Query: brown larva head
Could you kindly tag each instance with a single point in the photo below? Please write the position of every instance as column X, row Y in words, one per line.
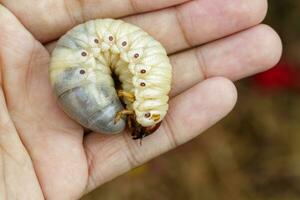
column 140, row 132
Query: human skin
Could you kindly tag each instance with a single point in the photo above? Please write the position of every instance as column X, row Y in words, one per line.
column 46, row 155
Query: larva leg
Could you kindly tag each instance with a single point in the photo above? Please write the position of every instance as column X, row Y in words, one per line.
column 128, row 96
column 129, row 122
column 122, row 113
column 155, row 117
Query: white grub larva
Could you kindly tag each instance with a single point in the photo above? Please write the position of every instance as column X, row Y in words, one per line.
column 81, row 70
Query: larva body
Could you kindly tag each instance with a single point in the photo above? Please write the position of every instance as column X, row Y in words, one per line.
column 81, row 70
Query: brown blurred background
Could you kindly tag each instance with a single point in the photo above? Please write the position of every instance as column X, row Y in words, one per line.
column 252, row 154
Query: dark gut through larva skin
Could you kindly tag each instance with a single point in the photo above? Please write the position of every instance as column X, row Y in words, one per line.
column 92, row 105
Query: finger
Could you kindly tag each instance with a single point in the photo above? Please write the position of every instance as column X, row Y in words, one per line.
column 47, row 20
column 200, row 21
column 235, row 57
column 190, row 114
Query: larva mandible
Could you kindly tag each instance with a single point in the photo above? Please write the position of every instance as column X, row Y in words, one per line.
column 82, row 68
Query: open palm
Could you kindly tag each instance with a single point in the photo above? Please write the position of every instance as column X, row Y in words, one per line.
column 45, row 155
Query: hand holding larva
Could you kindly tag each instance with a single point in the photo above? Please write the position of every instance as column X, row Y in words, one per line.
column 81, row 70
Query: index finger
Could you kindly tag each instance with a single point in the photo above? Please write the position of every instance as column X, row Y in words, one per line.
column 47, row 20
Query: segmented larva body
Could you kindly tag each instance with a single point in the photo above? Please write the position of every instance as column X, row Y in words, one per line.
column 81, row 71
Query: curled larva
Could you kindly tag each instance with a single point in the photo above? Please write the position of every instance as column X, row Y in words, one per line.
column 85, row 65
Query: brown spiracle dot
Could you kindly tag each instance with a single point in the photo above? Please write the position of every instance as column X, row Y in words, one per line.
column 124, row 43
column 96, row 41
column 143, row 84
column 84, row 53
column 143, row 71
column 148, row 115
column 111, row 38
column 136, row 55
column 82, row 71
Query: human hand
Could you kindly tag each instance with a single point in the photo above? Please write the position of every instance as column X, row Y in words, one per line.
column 46, row 155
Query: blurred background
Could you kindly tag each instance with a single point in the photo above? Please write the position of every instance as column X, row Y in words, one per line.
column 254, row 153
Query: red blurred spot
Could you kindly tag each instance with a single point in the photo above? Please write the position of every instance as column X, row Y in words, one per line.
column 283, row 76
